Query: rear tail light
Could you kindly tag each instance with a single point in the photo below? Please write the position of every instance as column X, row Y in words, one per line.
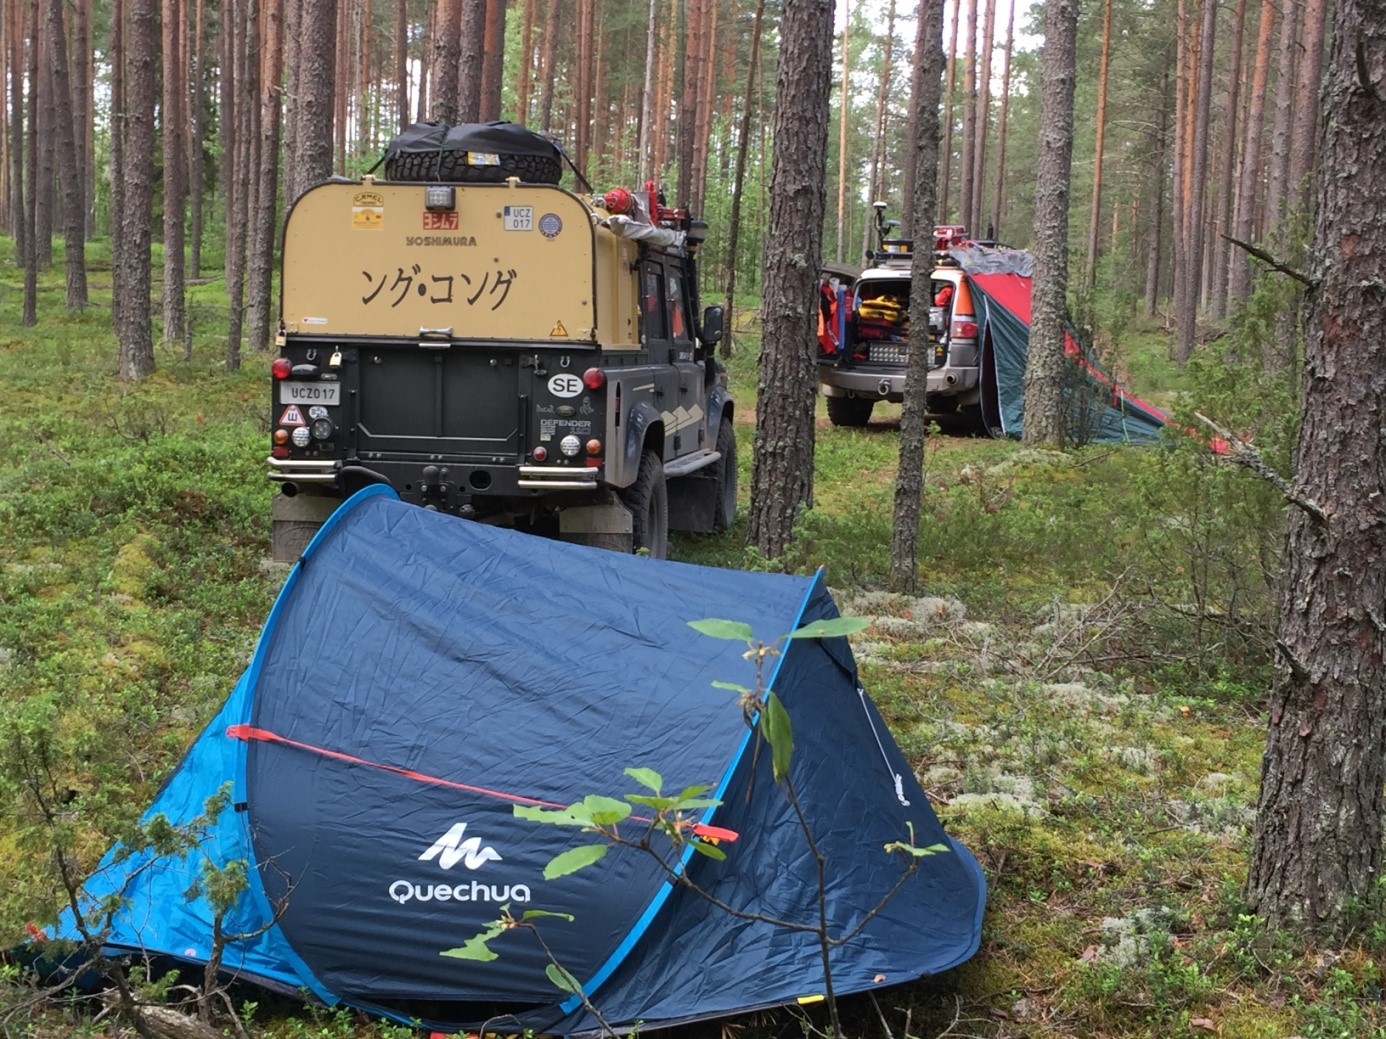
column 964, row 328
column 594, row 378
column 540, row 453
column 281, row 368
column 281, row 436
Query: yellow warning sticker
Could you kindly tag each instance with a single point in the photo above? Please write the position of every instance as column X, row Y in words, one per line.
column 367, row 218
column 559, row 332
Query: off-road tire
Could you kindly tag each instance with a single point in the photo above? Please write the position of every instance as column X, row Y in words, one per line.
column 850, row 411
column 648, row 501
column 724, row 470
column 452, row 167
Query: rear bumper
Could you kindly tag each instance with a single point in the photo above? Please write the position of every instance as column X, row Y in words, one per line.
column 889, row 384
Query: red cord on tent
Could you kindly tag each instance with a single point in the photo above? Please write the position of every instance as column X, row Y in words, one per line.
column 250, row 732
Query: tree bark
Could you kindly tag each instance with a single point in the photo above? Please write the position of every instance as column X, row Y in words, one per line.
column 70, row 173
column 909, row 480
column 15, row 47
column 1095, row 214
column 782, row 470
column 1044, row 403
column 174, row 180
column 878, row 126
column 312, row 98
column 83, row 105
column 402, row 65
column 1187, row 307
column 969, row 138
column 141, row 54
column 999, row 206
column 1308, row 74
column 979, row 151
column 912, row 125
column 1217, row 297
column 844, row 106
column 743, row 142
column 118, row 105
column 1279, row 174
column 526, row 69
column 492, row 61
column 196, row 163
column 264, row 219
column 644, row 166
column 471, row 61
column 31, row 168
column 1249, row 168
column 1156, row 205
column 448, row 43
column 1316, row 860
column 549, row 66
column 945, row 175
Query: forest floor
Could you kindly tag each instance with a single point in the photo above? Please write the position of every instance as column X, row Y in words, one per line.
column 1078, row 681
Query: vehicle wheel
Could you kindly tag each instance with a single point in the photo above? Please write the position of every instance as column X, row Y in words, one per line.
column 725, row 473
column 850, row 411
column 648, row 501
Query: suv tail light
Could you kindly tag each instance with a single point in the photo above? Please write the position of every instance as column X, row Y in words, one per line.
column 964, row 328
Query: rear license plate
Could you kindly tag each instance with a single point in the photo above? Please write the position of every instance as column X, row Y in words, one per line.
column 329, row 393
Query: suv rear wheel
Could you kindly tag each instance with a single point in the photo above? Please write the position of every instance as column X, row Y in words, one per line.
column 648, row 501
column 725, row 474
column 850, row 411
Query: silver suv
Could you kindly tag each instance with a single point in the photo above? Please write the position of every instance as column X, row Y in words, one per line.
column 863, row 332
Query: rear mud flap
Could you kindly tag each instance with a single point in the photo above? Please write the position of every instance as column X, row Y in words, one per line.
column 693, row 501
column 606, row 524
column 294, row 521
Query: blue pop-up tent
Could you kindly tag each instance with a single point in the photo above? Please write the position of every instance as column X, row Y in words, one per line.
column 419, row 676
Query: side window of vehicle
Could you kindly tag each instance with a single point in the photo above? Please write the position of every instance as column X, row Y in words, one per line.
column 679, row 318
column 652, row 316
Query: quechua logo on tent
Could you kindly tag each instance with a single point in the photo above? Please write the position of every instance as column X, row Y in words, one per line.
column 450, row 849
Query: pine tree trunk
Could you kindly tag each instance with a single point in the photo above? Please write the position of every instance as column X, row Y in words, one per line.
column 526, row 70
column 492, row 61
column 979, row 151
column 644, row 166
column 238, row 207
column 43, row 187
column 1277, row 178
column 448, row 42
column 1317, row 856
column 688, row 103
column 844, row 106
column 341, row 87
column 1308, row 73
column 1217, row 299
column 549, row 66
column 582, row 80
column 909, row 479
column 174, row 189
column 83, row 110
column 263, row 221
column 118, row 106
column 907, row 173
column 196, row 155
column 1157, row 202
column 1095, row 215
column 878, row 127
column 31, row 167
column 999, row 205
column 743, row 142
column 1249, row 168
column 470, row 61
column 312, row 97
column 14, row 16
column 782, row 469
column 969, row 102
column 1044, row 403
column 945, row 172
column 1193, row 256
column 69, row 166
column 141, row 56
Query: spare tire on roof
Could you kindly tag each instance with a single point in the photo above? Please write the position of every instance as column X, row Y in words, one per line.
column 472, row 153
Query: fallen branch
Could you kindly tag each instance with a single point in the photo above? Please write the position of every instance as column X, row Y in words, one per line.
column 1273, row 263
column 1242, row 453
